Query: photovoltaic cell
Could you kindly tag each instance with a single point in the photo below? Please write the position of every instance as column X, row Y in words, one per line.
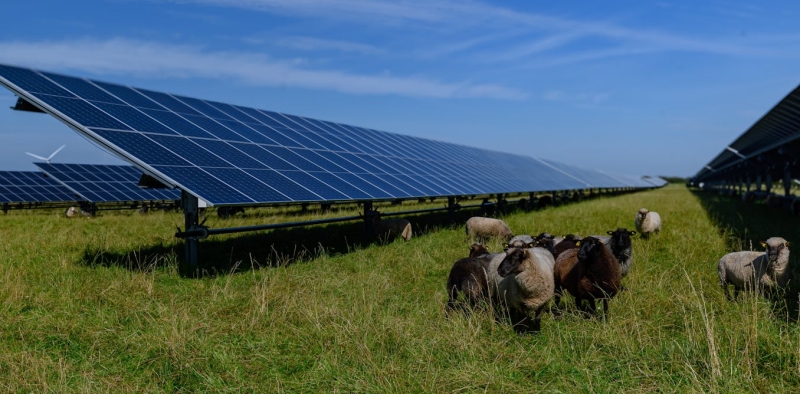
column 229, row 154
column 30, row 187
column 105, row 183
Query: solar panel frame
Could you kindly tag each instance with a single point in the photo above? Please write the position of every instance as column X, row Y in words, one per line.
column 105, row 183
column 169, row 136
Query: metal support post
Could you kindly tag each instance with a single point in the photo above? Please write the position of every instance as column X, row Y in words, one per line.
column 787, row 180
column 769, row 182
column 369, row 229
column 749, row 182
column 758, row 182
column 451, row 209
column 5, row 207
column 191, row 244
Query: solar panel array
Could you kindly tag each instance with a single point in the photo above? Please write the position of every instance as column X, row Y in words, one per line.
column 105, row 183
column 775, row 128
column 31, row 186
column 227, row 154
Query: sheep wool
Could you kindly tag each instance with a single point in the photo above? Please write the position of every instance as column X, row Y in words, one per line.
column 756, row 270
column 527, row 285
column 647, row 222
column 481, row 228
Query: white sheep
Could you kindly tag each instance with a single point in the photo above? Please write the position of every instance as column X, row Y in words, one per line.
column 647, row 222
column 481, row 228
column 527, row 285
column 756, row 270
column 386, row 228
column 72, row 212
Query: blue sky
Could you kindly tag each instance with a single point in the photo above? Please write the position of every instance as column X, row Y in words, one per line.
column 635, row 87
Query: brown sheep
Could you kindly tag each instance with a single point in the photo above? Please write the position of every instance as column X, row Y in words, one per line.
column 588, row 273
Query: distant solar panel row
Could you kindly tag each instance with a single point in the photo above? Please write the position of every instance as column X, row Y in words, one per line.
column 31, row 186
column 228, row 154
column 105, row 183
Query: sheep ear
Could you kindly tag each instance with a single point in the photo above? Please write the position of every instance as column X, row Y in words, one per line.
column 532, row 244
column 610, row 232
column 578, row 243
column 506, row 245
column 763, row 244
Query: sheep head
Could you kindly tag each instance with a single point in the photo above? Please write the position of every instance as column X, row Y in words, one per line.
column 642, row 214
column 621, row 238
column 477, row 250
column 512, row 263
column 518, row 244
column 587, row 245
column 775, row 248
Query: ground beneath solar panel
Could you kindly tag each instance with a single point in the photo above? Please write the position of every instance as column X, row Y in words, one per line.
column 97, row 305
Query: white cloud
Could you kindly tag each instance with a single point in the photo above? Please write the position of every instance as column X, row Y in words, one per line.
column 158, row 60
column 318, row 44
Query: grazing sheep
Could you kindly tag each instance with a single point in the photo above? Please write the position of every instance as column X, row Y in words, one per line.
column 619, row 244
column 468, row 276
column 569, row 241
column 756, row 270
column 588, row 273
column 72, row 212
column 524, row 238
column 527, row 286
column 144, row 209
column 647, row 222
column 387, row 228
column 478, row 250
column 483, row 228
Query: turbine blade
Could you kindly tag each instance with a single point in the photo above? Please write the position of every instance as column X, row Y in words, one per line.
column 55, row 153
column 36, row 156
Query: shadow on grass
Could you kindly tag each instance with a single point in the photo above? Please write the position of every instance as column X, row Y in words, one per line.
column 274, row 248
column 746, row 225
column 233, row 253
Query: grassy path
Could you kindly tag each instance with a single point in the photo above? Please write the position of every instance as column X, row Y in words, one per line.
column 372, row 320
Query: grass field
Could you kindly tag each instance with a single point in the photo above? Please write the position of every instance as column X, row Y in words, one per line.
column 91, row 305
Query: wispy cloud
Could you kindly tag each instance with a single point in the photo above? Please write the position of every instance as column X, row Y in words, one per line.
column 581, row 99
column 318, row 44
column 452, row 15
column 158, row 60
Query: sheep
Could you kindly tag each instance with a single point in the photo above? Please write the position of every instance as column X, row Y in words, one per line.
column 487, row 207
column 619, row 244
column 569, row 241
column 483, row 228
column 468, row 276
column 527, row 286
column 590, row 272
column 756, row 270
column 647, row 222
column 385, row 229
column 144, row 209
column 72, row 212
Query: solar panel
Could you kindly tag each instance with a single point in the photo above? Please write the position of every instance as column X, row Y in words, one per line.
column 31, row 186
column 228, row 154
column 105, row 183
column 592, row 179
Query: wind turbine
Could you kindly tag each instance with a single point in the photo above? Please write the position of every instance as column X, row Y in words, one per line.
column 46, row 159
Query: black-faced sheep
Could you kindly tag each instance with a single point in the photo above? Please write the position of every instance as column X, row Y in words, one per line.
column 387, row 228
column 588, row 273
column 647, row 222
column 620, row 245
column 484, row 228
column 756, row 270
column 527, row 286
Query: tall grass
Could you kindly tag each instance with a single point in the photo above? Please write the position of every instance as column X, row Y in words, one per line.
column 97, row 305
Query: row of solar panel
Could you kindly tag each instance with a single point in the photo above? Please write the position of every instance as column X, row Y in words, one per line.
column 77, row 182
column 228, row 154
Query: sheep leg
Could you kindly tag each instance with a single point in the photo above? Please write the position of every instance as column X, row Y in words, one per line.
column 521, row 321
column 726, row 290
column 537, row 321
column 592, row 306
column 605, row 306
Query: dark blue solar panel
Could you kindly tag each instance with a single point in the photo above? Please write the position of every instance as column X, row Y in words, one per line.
column 104, row 183
column 31, row 187
column 227, row 154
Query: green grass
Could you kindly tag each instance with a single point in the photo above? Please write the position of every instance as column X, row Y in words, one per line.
column 97, row 305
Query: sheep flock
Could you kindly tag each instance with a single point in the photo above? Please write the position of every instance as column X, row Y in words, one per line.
column 519, row 282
